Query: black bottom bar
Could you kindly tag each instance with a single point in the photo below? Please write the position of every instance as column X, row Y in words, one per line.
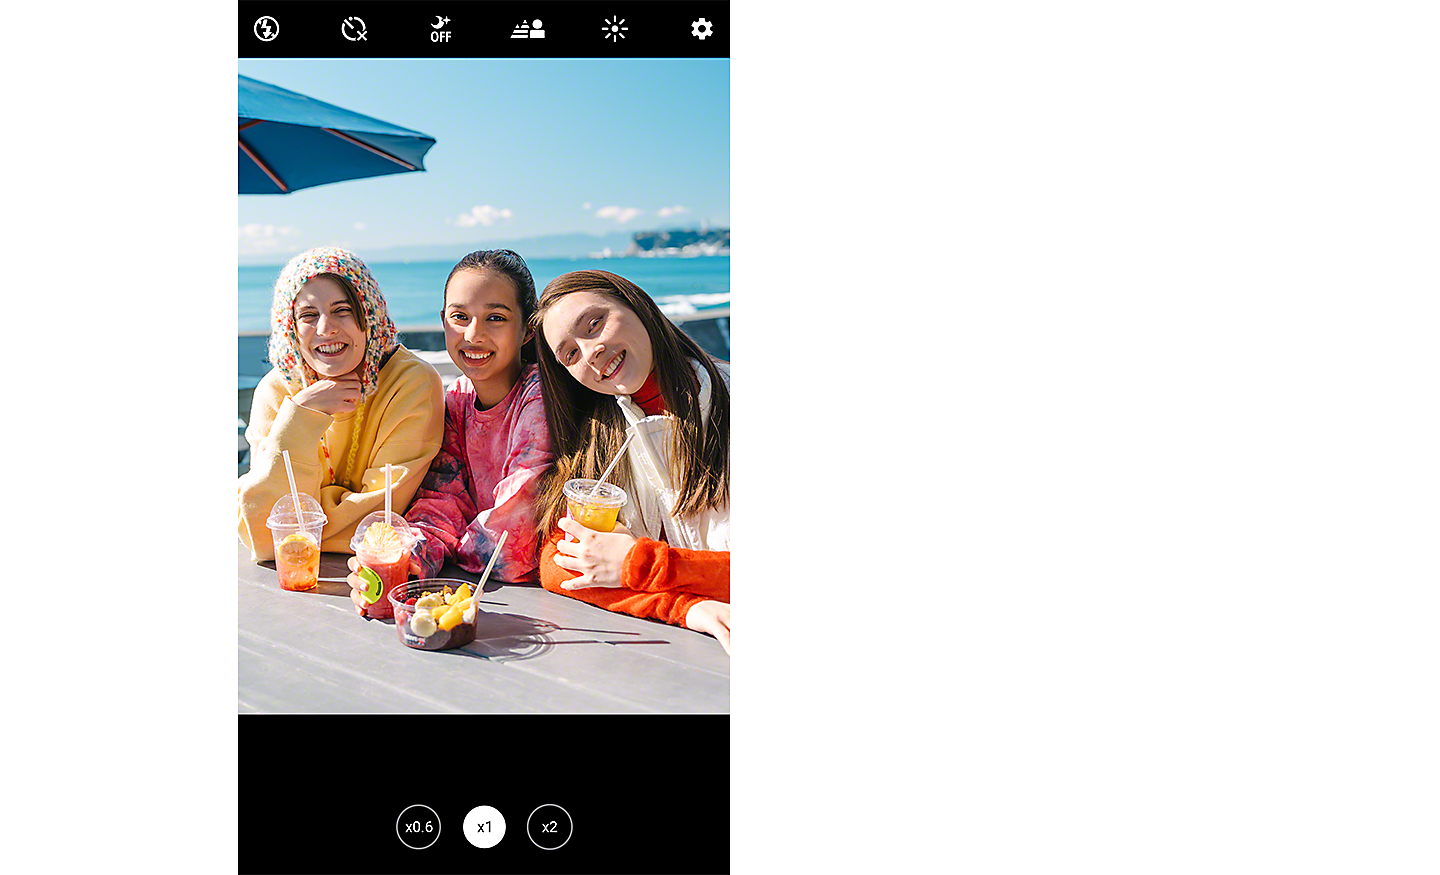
column 642, row 793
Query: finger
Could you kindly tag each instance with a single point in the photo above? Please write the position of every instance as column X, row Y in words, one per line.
column 570, row 563
column 723, row 636
column 569, row 548
column 622, row 529
column 585, row 581
column 354, row 563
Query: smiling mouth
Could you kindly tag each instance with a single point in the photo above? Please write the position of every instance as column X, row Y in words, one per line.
column 331, row 348
column 614, row 366
column 476, row 357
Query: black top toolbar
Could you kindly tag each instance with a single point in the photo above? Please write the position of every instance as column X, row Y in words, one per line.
column 484, row 29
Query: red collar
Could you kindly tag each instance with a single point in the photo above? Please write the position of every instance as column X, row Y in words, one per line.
column 649, row 398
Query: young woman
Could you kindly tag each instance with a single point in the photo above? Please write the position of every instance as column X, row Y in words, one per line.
column 612, row 365
column 496, row 445
column 344, row 398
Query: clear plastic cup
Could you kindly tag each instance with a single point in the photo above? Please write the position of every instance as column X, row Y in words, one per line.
column 599, row 511
column 297, row 541
column 390, row 564
column 432, row 633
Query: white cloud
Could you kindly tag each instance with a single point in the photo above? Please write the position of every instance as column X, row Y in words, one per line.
column 621, row 215
column 359, row 226
column 256, row 239
column 585, row 206
column 665, row 212
column 482, row 215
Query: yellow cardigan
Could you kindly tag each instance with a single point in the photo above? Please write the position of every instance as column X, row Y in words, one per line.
column 401, row 422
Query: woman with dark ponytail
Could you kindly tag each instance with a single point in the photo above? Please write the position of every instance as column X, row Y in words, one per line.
column 483, row 482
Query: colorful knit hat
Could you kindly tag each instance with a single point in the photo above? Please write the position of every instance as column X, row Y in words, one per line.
column 285, row 343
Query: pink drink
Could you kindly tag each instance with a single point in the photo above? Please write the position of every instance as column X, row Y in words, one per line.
column 383, row 545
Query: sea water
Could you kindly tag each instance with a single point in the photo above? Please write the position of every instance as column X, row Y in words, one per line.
column 415, row 290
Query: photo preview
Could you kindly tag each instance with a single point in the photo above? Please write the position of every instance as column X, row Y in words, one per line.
column 483, row 311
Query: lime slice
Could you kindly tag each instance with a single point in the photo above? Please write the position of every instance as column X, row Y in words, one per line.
column 372, row 585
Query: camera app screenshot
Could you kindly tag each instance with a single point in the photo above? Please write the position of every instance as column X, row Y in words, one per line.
column 483, row 436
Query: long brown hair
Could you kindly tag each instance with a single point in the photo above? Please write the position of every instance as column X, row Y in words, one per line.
column 588, row 427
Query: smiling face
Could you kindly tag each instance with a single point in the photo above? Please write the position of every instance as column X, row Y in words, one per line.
column 600, row 342
column 332, row 339
column 484, row 330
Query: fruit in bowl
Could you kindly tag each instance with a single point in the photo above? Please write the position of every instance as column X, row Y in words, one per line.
column 431, row 615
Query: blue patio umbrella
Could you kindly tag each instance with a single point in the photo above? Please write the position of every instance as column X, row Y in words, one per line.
column 289, row 141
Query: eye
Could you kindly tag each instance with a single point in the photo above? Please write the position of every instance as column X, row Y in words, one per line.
column 307, row 316
column 459, row 318
column 569, row 356
column 594, row 322
column 495, row 317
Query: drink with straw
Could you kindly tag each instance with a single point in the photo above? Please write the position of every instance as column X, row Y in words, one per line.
column 296, row 522
column 594, row 508
column 596, row 504
column 382, row 543
column 297, row 541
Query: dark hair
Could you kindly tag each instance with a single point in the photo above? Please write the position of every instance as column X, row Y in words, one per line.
column 513, row 267
column 587, row 427
column 350, row 295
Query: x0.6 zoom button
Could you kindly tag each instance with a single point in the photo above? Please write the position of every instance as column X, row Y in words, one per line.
column 418, row 827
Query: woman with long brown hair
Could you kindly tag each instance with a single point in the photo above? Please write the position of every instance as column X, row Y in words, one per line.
column 613, row 366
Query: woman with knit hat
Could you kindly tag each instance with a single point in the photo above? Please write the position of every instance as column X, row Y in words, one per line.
column 344, row 398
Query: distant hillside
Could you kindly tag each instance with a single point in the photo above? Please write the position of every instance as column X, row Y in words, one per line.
column 713, row 241
column 644, row 244
column 548, row 246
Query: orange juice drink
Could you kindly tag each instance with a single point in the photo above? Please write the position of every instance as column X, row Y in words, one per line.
column 595, row 509
column 296, row 537
column 297, row 560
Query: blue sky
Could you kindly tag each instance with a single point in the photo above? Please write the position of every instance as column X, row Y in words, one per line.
column 524, row 148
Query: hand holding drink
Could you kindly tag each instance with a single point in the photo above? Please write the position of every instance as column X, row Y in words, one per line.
column 595, row 505
column 382, row 545
column 592, row 507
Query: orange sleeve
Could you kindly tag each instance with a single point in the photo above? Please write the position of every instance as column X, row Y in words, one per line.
column 668, row 597
column 655, row 566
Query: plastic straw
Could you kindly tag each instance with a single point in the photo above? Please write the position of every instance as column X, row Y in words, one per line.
column 611, row 466
column 496, row 555
column 387, row 492
column 294, row 493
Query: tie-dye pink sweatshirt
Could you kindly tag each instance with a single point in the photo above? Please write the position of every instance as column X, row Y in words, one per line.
column 484, row 481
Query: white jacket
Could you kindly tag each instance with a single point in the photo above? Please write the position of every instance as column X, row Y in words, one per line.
column 649, row 506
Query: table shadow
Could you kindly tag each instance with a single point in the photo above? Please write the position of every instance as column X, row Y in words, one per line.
column 507, row 637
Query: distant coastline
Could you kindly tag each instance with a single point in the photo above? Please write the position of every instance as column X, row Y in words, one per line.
column 673, row 243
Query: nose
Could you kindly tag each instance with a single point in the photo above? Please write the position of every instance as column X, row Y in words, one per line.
column 474, row 330
column 325, row 324
column 597, row 349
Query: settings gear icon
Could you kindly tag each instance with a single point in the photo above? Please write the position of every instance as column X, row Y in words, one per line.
column 700, row 28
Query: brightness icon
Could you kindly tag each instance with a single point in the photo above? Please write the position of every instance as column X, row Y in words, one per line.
column 614, row 29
